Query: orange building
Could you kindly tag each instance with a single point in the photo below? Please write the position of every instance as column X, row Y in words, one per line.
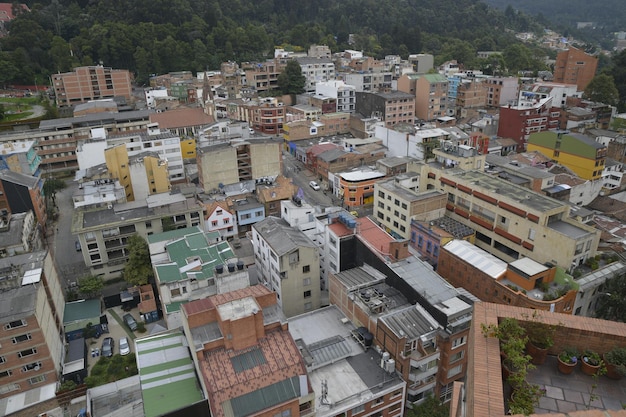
column 90, row 83
column 356, row 188
column 574, row 66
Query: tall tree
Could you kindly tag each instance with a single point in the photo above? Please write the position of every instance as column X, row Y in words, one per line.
column 611, row 305
column 602, row 89
column 291, row 80
column 138, row 269
column 90, row 286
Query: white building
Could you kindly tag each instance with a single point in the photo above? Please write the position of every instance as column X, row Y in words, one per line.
column 344, row 93
column 559, row 92
column 90, row 153
column 316, row 70
column 412, row 144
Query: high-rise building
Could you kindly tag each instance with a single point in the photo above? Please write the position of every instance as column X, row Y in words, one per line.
column 574, row 66
column 91, row 83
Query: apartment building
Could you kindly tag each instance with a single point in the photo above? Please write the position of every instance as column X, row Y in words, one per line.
column 421, row 63
column 355, row 187
column 56, row 139
column 512, row 221
column 32, row 331
column 396, row 206
column 471, row 95
column 103, row 232
column 523, row 282
column 21, row 193
column 344, row 94
column 431, row 97
column 370, row 81
column 247, row 361
column 219, row 217
column 190, row 264
column 236, row 161
column 288, row 263
column 20, row 157
column 501, row 91
column 427, row 237
column 91, row 83
column 316, row 70
column 341, row 159
column 392, row 108
column 558, row 91
column 574, row 66
column 530, row 116
column 141, row 175
column 583, row 155
column 351, row 378
column 262, row 76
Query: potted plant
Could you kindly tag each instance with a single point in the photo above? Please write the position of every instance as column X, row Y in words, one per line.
column 540, row 338
column 615, row 362
column 590, row 362
column 567, row 360
column 525, row 399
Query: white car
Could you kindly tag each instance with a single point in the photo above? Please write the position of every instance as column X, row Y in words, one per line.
column 124, row 347
column 314, row 185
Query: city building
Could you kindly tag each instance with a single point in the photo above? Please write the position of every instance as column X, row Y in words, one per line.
column 232, row 162
column 31, row 316
column 583, row 155
column 56, row 139
column 141, row 175
column 346, row 375
column 431, row 97
column 18, row 234
column 355, row 187
column 422, row 63
column 316, row 70
column 427, row 237
column 558, row 91
column 21, row 193
column 220, row 218
column 470, row 95
column 247, row 360
column 395, row 207
column 574, row 66
column 392, row 108
column 271, row 193
column 288, row 263
column 103, row 233
column 519, row 121
column 344, row 94
column 248, row 211
column 262, row 76
column 369, row 81
column 512, row 221
column 20, row 157
column 523, row 282
column 501, row 91
column 91, row 83
column 168, row 379
column 189, row 265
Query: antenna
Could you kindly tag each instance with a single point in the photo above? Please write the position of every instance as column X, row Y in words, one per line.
column 324, row 399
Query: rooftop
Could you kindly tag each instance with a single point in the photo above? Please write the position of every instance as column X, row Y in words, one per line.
column 81, row 310
column 281, row 237
column 477, row 257
column 167, row 373
column 404, row 193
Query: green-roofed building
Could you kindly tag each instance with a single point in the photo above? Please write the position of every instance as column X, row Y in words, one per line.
column 190, row 264
column 78, row 314
column 168, row 376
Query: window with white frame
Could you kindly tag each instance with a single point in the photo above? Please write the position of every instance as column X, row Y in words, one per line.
column 459, row 341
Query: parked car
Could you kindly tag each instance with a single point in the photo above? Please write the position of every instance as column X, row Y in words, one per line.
column 314, row 185
column 107, row 347
column 130, row 321
column 124, row 346
column 77, row 245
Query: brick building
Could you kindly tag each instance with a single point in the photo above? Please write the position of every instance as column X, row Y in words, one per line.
column 574, row 66
column 91, row 83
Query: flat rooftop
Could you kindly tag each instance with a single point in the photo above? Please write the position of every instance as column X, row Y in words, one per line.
column 405, row 194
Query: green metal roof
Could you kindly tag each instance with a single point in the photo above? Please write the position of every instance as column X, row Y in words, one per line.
column 81, row 310
column 189, row 248
column 172, row 234
column 435, row 78
column 167, row 374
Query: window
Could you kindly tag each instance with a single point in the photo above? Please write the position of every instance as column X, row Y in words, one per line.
column 307, row 294
column 22, row 338
column 306, row 282
column 457, row 356
column 219, row 212
column 2, row 359
column 226, row 220
column 396, row 202
column 26, row 352
column 148, row 224
column 35, row 366
column 174, row 292
column 5, row 373
column 381, row 194
column 435, row 250
column 458, row 342
column 404, row 206
column 306, row 268
column 37, row 379
column 531, row 234
column 455, row 371
column 214, row 223
column 15, row 324
column 429, row 247
column 358, row 409
column 420, row 241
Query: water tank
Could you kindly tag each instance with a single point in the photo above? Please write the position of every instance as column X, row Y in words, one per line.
column 390, row 365
column 240, row 265
column 219, row 269
column 368, row 338
column 351, row 224
column 386, row 356
column 231, row 267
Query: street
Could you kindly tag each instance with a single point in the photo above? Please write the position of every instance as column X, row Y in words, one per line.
column 301, row 177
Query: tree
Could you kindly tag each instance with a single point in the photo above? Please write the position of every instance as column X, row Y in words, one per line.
column 291, row 80
column 431, row 407
column 610, row 305
column 138, row 269
column 602, row 89
column 90, row 286
column 50, row 188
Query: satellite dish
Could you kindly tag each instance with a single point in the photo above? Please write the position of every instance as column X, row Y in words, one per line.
column 37, row 367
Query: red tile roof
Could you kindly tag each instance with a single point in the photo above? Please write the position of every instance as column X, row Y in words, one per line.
column 373, row 235
column 6, row 11
column 181, row 118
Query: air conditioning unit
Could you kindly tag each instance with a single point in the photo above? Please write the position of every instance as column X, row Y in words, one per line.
column 109, row 206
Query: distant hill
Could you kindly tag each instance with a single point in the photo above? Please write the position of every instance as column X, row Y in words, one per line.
column 609, row 14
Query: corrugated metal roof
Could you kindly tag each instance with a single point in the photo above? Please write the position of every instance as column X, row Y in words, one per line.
column 477, row 257
column 266, row 397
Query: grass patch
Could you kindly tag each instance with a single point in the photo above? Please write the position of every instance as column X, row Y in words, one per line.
column 112, row 369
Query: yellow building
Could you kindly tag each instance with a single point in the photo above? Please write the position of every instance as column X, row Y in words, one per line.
column 141, row 175
column 584, row 156
column 188, row 148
